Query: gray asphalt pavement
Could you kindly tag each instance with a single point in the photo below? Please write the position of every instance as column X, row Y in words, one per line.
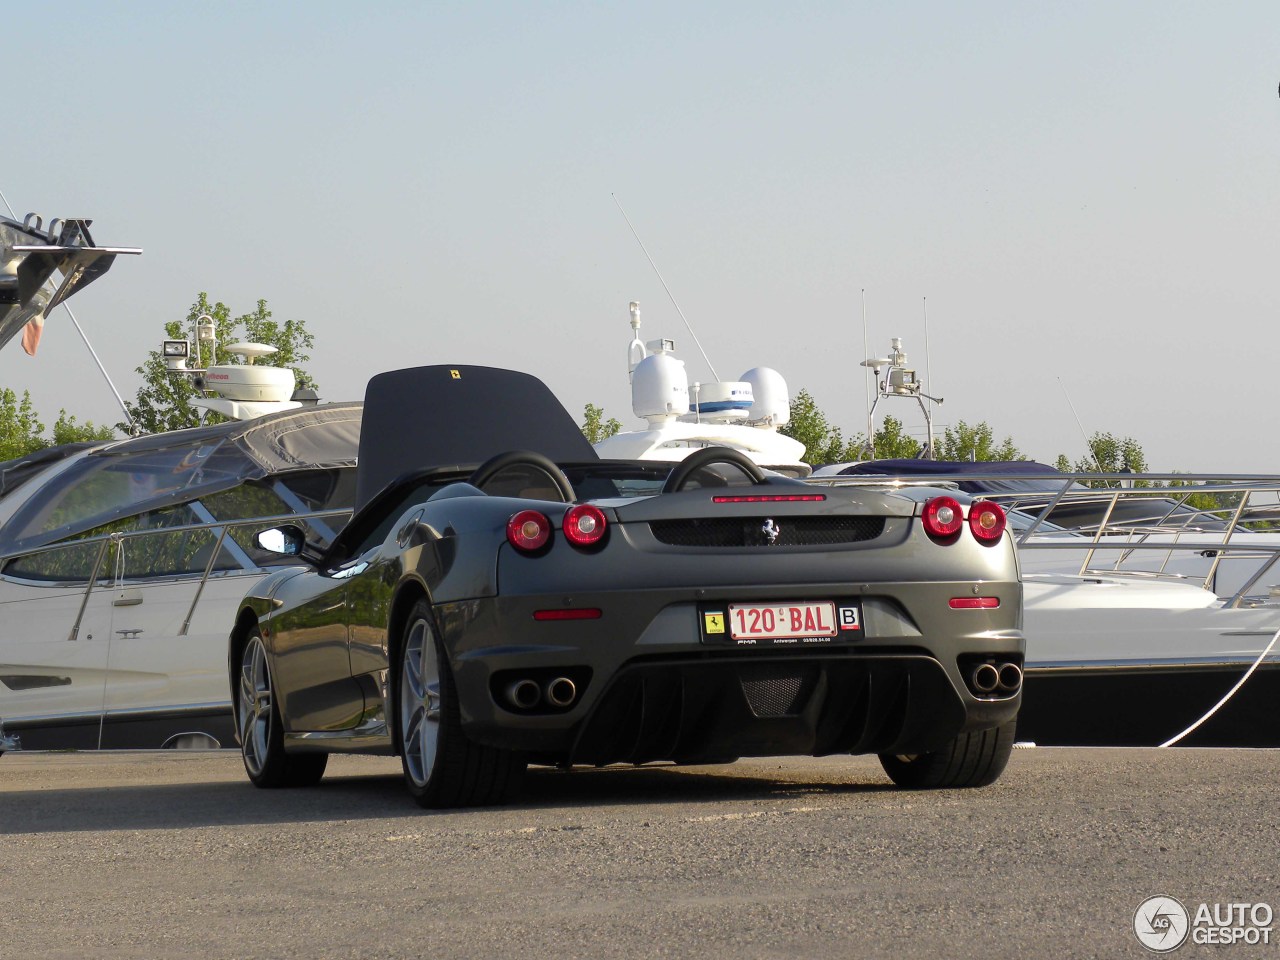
column 176, row 855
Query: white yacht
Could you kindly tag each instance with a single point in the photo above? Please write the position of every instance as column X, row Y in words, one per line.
column 1141, row 612
column 121, row 563
column 682, row 417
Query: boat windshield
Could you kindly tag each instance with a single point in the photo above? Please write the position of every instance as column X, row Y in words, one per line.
column 113, row 494
column 99, row 490
column 305, row 457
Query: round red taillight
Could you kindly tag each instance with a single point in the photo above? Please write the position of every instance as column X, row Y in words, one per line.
column 528, row 531
column 942, row 518
column 584, row 525
column 986, row 520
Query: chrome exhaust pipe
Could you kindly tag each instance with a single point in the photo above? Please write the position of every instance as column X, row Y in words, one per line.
column 561, row 692
column 985, row 678
column 1010, row 677
column 523, row 694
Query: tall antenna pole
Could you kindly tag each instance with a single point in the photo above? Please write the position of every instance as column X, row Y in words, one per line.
column 666, row 288
column 133, row 428
column 928, row 370
column 928, row 357
column 871, row 434
column 1087, row 445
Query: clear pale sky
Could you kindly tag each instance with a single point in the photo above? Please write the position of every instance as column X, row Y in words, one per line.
column 1087, row 194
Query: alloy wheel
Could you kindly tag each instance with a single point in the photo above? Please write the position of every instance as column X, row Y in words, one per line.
column 255, row 707
column 420, row 703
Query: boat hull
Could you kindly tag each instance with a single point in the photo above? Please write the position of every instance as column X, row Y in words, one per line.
column 1144, row 707
column 204, row 728
column 1115, row 661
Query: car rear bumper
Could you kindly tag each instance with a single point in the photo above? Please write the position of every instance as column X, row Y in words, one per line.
column 649, row 686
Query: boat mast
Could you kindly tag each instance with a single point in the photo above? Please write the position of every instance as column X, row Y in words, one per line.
column 928, row 373
column 688, row 326
column 870, row 407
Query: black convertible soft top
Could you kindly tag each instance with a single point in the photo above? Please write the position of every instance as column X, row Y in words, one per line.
column 458, row 415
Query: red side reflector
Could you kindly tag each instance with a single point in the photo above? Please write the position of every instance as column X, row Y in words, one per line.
column 572, row 613
column 772, row 498
column 974, row 603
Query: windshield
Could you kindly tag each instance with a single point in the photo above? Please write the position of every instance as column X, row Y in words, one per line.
column 101, row 489
column 152, row 548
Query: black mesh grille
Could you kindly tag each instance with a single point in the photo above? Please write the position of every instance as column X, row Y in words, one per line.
column 774, row 696
column 753, row 532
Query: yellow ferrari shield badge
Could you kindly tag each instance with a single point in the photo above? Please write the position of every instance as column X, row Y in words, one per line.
column 713, row 622
column 456, row 374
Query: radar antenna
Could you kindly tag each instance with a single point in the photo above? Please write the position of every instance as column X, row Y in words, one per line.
column 901, row 381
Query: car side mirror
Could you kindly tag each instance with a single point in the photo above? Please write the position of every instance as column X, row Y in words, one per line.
column 287, row 540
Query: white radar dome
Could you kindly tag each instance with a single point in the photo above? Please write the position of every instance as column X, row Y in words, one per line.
column 771, row 399
column 243, row 381
column 724, row 400
column 251, row 351
column 660, row 387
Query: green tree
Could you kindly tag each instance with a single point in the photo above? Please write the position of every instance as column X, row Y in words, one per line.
column 964, row 442
column 292, row 341
column 21, row 431
column 20, row 428
column 823, row 442
column 595, row 428
column 1220, row 505
column 67, row 430
column 1110, row 454
column 891, row 443
column 164, row 400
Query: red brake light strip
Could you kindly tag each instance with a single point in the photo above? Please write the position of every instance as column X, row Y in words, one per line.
column 772, row 498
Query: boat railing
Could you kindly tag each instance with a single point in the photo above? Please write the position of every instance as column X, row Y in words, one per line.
column 101, row 559
column 1174, row 526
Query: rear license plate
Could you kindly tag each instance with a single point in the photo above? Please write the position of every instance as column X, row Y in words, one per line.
column 781, row 624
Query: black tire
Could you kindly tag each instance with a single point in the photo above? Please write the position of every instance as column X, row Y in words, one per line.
column 442, row 768
column 260, row 729
column 970, row 760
